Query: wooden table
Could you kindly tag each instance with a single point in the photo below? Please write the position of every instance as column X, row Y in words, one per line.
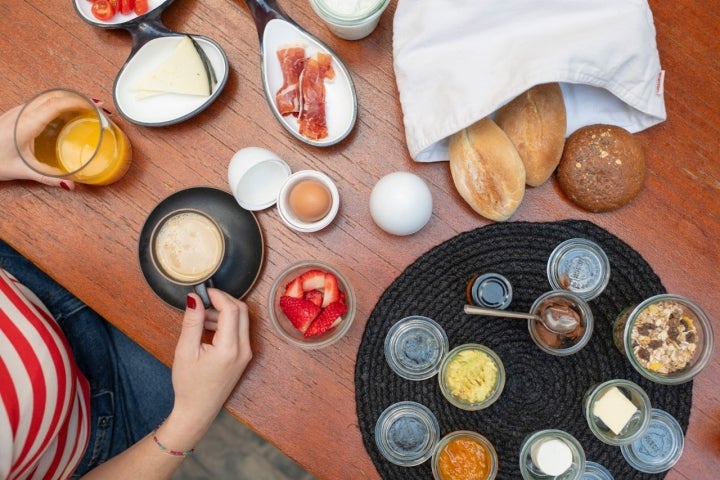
column 301, row 401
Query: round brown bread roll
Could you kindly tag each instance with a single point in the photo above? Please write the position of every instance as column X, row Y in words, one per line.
column 602, row 168
column 487, row 170
column 535, row 122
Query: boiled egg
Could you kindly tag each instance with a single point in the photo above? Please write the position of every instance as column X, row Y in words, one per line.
column 309, row 200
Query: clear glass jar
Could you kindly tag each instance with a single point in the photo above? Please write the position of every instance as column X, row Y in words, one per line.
column 350, row 19
column 533, row 463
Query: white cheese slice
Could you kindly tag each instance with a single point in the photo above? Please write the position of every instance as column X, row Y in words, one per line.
column 183, row 72
column 614, row 409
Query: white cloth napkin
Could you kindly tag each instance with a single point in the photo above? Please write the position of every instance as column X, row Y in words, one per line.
column 457, row 61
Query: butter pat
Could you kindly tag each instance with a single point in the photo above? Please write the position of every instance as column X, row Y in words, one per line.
column 614, row 409
column 184, row 72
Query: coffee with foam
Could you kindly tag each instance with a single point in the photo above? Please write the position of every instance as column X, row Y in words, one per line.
column 188, row 247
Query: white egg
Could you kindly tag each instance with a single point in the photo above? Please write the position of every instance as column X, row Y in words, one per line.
column 401, row 203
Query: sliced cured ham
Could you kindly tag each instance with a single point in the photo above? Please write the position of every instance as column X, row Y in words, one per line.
column 292, row 63
column 312, row 119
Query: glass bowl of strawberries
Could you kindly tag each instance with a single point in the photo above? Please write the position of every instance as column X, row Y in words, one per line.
column 311, row 304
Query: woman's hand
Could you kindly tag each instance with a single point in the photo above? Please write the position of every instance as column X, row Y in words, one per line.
column 12, row 167
column 204, row 374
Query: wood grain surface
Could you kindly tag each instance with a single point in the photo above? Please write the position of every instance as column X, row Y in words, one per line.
column 302, row 401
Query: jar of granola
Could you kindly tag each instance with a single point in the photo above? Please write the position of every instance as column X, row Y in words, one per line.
column 667, row 338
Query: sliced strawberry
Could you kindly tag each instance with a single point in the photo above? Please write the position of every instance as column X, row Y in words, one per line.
column 315, row 296
column 313, row 280
column 294, row 288
column 331, row 292
column 299, row 311
column 328, row 318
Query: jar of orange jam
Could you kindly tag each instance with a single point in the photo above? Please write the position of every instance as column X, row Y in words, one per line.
column 464, row 455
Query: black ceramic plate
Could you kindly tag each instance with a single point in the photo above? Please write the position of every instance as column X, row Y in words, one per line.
column 244, row 253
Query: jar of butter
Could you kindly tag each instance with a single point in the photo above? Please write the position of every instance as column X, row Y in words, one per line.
column 350, row 19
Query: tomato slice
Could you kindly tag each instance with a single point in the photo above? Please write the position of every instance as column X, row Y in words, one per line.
column 125, row 6
column 141, row 6
column 102, row 10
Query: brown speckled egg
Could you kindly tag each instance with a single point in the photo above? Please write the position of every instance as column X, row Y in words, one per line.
column 309, row 200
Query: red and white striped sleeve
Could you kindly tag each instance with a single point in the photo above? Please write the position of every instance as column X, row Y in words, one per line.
column 44, row 399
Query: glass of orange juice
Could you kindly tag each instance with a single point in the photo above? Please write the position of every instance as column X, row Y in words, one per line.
column 62, row 133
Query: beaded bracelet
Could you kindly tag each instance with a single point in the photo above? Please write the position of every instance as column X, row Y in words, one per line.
column 169, row 451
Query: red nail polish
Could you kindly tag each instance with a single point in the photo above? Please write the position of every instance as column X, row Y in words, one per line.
column 191, row 304
column 64, row 186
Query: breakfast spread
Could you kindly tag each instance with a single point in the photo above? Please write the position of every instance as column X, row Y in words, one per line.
column 558, row 307
column 602, row 168
column 464, row 458
column 303, row 91
column 471, row 376
column 313, row 302
column 614, row 409
column 183, row 72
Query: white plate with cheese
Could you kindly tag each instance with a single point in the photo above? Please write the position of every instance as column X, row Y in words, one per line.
column 166, row 81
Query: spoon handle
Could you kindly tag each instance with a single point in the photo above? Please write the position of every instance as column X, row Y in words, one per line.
column 492, row 312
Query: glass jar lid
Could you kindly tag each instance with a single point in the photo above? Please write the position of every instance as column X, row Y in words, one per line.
column 659, row 448
column 580, row 266
column 491, row 290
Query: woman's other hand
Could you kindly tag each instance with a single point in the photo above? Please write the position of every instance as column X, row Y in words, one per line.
column 204, row 374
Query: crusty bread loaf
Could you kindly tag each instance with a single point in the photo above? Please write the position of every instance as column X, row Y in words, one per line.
column 602, row 168
column 535, row 122
column 487, row 170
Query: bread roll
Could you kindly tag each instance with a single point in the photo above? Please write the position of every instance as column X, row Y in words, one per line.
column 602, row 168
column 535, row 122
column 487, row 170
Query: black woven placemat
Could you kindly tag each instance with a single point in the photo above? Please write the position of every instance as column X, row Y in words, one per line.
column 542, row 391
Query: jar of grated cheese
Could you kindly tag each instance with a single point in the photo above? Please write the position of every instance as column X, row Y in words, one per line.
column 350, row 19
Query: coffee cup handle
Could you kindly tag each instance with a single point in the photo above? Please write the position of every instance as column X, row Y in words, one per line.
column 201, row 290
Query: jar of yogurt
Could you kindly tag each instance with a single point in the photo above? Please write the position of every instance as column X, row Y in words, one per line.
column 350, row 19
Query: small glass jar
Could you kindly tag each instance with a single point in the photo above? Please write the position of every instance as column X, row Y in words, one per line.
column 595, row 471
column 465, row 451
column 659, row 448
column 552, row 454
column 490, row 290
column 350, row 19
column 617, row 411
column 667, row 338
column 580, row 266
column 415, row 346
column 406, row 433
column 471, row 377
column 561, row 344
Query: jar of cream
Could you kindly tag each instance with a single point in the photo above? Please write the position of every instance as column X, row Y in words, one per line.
column 350, row 19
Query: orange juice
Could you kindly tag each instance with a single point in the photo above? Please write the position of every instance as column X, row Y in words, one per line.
column 77, row 150
column 68, row 146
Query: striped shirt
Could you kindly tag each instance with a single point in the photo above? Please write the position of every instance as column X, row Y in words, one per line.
column 44, row 399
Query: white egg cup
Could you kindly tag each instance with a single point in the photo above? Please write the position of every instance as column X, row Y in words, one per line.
column 287, row 214
column 259, row 179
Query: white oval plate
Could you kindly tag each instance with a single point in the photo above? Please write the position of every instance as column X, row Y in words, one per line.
column 167, row 108
column 340, row 97
column 84, row 8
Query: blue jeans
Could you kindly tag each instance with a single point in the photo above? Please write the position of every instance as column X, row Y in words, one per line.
column 131, row 391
